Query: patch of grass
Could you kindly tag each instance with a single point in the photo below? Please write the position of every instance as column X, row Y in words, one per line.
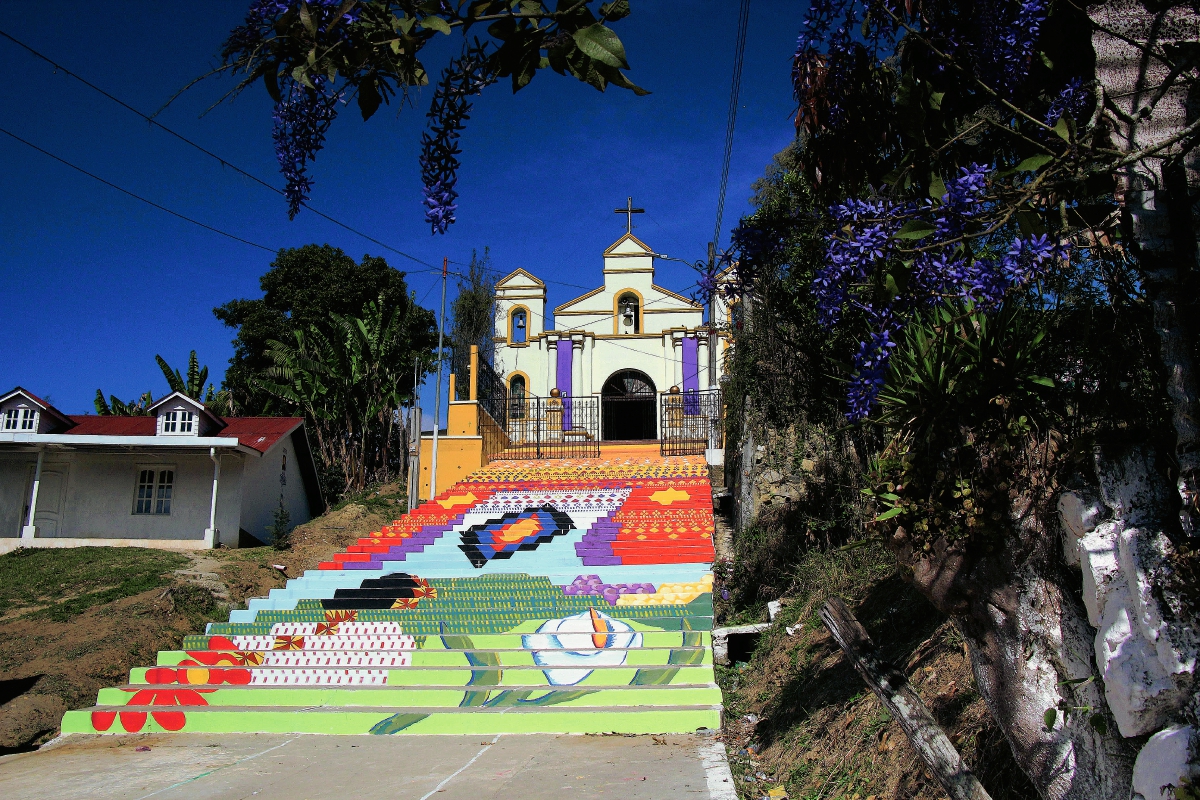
column 381, row 499
column 69, row 581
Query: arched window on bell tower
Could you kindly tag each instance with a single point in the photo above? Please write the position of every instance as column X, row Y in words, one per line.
column 629, row 313
column 518, row 329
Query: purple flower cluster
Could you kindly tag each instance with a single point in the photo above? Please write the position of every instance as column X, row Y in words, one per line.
column 302, row 117
column 592, row 586
column 865, row 248
column 463, row 78
column 1007, row 41
column 1072, row 101
column 263, row 14
column 870, row 370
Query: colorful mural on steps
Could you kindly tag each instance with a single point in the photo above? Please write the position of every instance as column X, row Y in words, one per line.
column 568, row 596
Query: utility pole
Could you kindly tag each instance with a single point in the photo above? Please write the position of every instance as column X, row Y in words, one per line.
column 414, row 441
column 437, row 393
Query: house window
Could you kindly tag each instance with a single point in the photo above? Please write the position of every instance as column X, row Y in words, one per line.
column 20, row 419
column 155, row 488
column 179, row 422
column 520, row 325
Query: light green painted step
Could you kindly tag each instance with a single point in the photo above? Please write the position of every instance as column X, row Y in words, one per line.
column 472, row 721
column 525, row 676
column 404, row 697
column 638, row 656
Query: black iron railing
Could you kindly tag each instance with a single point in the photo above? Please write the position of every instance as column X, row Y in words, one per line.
column 691, row 422
column 553, row 427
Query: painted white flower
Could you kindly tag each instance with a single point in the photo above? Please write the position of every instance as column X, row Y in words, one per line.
column 569, row 649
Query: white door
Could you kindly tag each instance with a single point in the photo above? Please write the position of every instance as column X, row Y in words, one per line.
column 51, row 500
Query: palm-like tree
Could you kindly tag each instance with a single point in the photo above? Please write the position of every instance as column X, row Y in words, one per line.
column 348, row 383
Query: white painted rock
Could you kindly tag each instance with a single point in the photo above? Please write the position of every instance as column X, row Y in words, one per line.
column 1079, row 514
column 1163, row 762
column 1148, row 663
column 1101, row 568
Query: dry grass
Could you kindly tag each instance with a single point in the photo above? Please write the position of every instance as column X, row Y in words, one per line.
column 800, row 717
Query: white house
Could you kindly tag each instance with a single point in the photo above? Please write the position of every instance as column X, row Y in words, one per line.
column 627, row 342
column 180, row 478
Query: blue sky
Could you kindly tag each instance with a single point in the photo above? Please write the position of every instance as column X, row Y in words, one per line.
column 96, row 283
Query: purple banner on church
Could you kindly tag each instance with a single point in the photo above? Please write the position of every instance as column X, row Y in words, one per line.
column 691, row 375
column 564, row 380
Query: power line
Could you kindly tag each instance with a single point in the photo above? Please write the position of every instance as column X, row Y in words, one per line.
column 135, row 196
column 223, row 161
column 738, row 56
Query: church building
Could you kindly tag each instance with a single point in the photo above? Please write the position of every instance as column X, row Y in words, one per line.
column 630, row 343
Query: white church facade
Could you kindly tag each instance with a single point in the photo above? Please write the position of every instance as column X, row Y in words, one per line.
column 630, row 343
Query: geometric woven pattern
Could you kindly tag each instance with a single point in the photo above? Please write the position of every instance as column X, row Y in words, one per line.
column 564, row 595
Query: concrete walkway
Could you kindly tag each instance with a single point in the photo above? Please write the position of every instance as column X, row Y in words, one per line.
column 307, row 767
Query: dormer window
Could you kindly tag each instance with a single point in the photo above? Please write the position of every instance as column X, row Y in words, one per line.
column 179, row 422
column 20, row 419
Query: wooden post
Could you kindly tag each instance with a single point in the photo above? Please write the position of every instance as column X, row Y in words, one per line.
column 474, row 395
column 892, row 689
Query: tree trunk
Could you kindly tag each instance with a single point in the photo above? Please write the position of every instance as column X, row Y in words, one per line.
column 1031, row 651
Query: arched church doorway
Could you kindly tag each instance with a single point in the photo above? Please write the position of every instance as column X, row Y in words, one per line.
column 627, row 407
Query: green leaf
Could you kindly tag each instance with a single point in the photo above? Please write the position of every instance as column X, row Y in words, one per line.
column 935, row 100
column 1063, row 129
column 1030, row 223
column 1050, row 717
column 1034, row 163
column 891, row 512
column 618, row 78
column 271, row 81
column 937, row 187
column 891, row 498
column 434, row 23
column 368, row 98
column 1046, row 60
column 618, row 9
column 600, row 43
column 1038, row 379
column 1099, row 723
column 915, row 229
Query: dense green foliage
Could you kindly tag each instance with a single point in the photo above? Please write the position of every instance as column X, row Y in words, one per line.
column 305, row 286
column 340, row 343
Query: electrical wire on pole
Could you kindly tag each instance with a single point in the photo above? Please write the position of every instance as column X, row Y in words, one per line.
column 437, row 392
column 735, row 90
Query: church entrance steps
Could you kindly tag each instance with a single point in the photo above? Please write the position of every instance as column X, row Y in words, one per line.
column 562, row 596
column 634, row 656
column 389, row 721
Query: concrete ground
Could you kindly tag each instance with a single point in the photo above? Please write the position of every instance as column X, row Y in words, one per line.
column 307, row 767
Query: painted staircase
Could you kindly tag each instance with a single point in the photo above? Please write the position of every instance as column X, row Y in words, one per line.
column 556, row 596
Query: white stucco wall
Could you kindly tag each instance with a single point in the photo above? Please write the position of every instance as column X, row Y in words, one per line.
column 262, row 489
column 14, row 479
column 97, row 499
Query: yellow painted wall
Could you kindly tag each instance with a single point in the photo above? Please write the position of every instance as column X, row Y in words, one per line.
column 458, row 457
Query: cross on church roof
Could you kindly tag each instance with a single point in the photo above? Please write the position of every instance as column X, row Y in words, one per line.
column 629, row 211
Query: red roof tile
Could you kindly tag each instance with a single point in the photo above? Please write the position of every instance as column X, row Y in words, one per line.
column 92, row 425
column 257, row 433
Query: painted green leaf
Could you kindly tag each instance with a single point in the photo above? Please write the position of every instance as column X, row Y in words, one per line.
column 600, row 43
column 688, row 657
column 654, row 676
column 396, row 723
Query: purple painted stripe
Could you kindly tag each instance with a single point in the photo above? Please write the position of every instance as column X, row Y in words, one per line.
column 565, row 357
